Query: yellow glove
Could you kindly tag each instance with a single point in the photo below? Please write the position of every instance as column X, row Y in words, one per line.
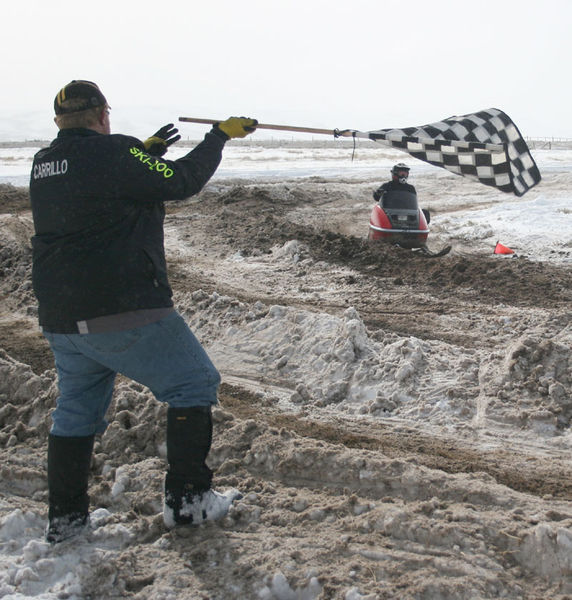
column 238, row 127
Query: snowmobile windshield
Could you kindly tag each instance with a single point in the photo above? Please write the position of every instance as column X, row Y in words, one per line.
column 399, row 199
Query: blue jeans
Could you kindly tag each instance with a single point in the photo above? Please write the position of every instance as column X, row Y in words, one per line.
column 165, row 356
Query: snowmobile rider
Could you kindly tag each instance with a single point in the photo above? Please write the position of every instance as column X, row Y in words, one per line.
column 100, row 276
column 399, row 175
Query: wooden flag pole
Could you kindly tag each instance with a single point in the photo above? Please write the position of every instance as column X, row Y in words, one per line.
column 334, row 132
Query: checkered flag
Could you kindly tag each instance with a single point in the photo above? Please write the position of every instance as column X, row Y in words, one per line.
column 486, row 146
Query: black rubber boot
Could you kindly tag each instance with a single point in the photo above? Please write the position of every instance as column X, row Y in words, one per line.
column 68, row 473
column 189, row 498
column 189, row 438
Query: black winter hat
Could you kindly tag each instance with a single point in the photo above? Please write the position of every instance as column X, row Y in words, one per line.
column 78, row 95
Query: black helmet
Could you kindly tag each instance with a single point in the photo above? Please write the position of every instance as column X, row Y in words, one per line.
column 400, row 171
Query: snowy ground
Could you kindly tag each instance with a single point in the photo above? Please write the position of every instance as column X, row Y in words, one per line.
column 400, row 426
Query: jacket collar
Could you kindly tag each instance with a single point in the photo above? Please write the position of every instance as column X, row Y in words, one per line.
column 72, row 132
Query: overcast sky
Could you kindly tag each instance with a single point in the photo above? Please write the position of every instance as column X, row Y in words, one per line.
column 359, row 64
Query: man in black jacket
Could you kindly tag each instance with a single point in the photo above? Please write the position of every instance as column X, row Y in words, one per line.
column 100, row 277
column 399, row 175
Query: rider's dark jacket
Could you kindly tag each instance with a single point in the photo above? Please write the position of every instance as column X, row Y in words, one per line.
column 392, row 185
column 97, row 203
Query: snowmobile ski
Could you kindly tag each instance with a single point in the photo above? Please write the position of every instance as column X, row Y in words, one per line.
column 425, row 251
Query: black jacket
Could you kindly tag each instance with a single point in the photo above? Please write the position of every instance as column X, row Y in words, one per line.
column 392, row 185
column 97, row 203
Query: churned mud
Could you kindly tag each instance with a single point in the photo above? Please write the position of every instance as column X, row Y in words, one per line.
column 399, row 426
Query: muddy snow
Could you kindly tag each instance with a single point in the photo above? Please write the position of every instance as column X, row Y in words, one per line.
column 399, row 426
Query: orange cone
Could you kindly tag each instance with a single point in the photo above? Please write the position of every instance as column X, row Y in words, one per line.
column 500, row 249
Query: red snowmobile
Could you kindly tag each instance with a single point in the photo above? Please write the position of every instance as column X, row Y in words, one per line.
column 397, row 219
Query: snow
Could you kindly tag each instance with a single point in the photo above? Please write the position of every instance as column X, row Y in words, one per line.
column 546, row 228
column 534, row 227
column 325, row 359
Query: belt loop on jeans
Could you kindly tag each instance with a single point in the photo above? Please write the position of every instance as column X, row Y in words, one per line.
column 82, row 326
